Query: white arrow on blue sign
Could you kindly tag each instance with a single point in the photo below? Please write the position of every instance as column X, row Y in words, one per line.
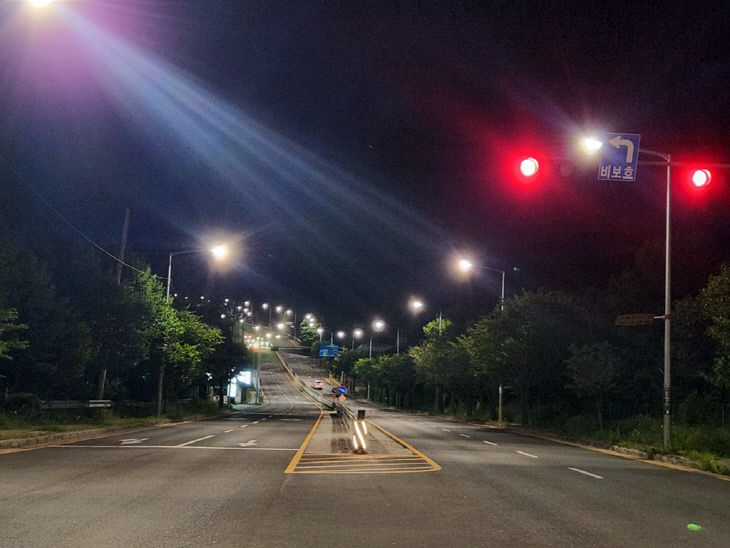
column 619, row 158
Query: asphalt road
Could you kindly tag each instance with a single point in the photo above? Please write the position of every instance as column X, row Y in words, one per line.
column 231, row 482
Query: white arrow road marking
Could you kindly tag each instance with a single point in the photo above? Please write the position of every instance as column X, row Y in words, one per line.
column 249, row 443
column 527, row 454
column 133, row 440
column 489, row 442
column 193, row 441
column 585, row 473
column 619, row 141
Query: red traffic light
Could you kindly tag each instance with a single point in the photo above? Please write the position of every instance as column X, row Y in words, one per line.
column 529, row 167
column 700, row 178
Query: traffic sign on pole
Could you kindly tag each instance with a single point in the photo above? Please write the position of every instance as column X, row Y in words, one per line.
column 635, row 319
column 619, row 158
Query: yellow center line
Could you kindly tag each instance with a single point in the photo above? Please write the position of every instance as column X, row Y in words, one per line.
column 298, row 455
column 407, row 445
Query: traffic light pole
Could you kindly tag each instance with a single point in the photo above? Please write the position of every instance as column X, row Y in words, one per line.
column 667, row 394
column 667, row 313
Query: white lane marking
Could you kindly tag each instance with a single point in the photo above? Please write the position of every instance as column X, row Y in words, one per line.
column 244, row 426
column 255, row 422
column 170, row 447
column 489, row 442
column 193, row 441
column 464, row 435
column 133, row 440
column 446, row 430
column 527, row 454
column 248, row 443
column 226, row 431
column 585, row 473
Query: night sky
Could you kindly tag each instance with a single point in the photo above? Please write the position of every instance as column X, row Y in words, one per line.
column 350, row 148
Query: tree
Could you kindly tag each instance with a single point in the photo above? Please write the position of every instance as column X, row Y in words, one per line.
column 431, row 358
column 8, row 325
column 715, row 300
column 593, row 373
column 527, row 343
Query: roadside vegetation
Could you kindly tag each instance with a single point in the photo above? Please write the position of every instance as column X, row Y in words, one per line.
column 566, row 368
column 73, row 330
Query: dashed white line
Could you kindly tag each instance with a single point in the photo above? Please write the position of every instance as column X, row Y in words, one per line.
column 244, row 426
column 193, row 441
column 226, row 431
column 446, row 430
column 465, row 436
column 585, row 473
column 527, row 454
column 483, row 441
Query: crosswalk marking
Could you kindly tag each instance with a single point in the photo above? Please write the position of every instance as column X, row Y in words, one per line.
column 344, row 463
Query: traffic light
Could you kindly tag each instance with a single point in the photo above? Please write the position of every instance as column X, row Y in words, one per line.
column 700, row 178
column 529, row 167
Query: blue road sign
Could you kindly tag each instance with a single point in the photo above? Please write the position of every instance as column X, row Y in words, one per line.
column 619, row 158
column 342, row 390
column 329, row 351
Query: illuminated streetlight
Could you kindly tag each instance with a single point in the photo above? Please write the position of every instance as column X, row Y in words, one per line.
column 464, row 265
column 39, row 3
column 378, row 325
column 416, row 305
column 356, row 334
column 591, row 145
column 219, row 252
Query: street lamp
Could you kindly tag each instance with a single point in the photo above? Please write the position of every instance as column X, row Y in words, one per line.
column 466, row 266
column 356, row 334
column 415, row 305
column 378, row 326
column 219, row 253
column 266, row 306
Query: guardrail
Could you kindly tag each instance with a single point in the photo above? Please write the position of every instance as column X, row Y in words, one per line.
column 303, row 384
column 354, row 422
column 74, row 404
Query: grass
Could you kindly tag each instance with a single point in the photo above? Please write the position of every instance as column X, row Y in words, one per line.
column 14, row 427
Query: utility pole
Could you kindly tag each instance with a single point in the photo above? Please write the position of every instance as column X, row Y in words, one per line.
column 122, row 249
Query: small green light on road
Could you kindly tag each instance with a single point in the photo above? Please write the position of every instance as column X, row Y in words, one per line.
column 693, row 527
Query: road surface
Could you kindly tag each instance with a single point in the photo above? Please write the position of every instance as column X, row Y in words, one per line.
column 265, row 476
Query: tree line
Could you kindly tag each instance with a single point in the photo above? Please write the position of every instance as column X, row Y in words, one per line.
column 559, row 356
column 70, row 330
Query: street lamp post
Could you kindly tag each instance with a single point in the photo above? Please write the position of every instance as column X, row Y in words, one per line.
column 378, row 326
column 219, row 252
column 356, row 334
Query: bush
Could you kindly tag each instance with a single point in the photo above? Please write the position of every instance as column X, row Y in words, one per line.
column 25, row 406
column 703, row 439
